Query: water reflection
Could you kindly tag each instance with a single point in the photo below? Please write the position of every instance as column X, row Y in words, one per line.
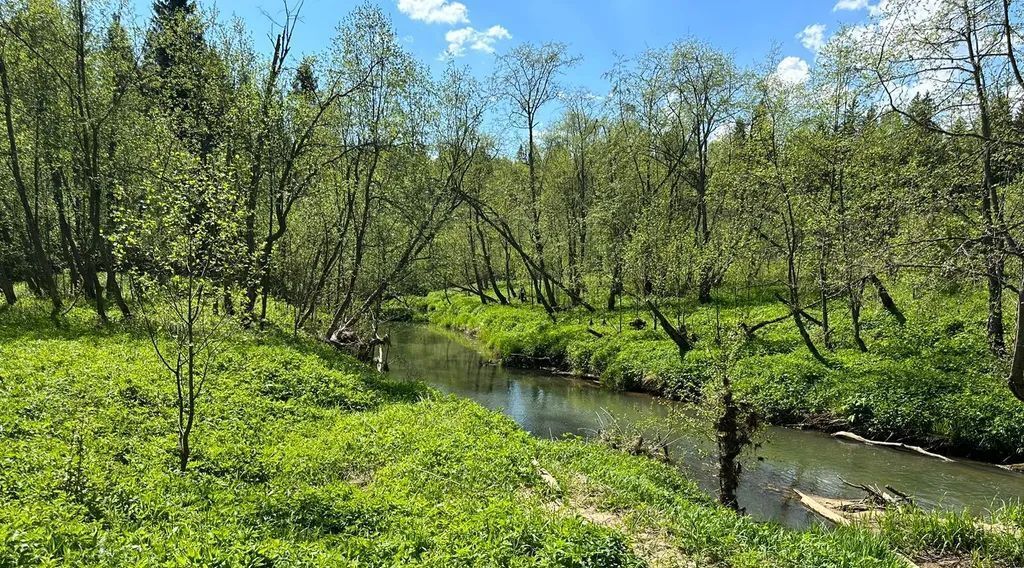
column 810, row 461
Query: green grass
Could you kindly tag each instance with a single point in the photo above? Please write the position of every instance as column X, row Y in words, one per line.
column 306, row 458
column 930, row 381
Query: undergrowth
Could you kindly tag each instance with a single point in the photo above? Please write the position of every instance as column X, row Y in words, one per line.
column 304, row 457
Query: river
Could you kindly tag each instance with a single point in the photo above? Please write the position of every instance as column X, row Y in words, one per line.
column 552, row 406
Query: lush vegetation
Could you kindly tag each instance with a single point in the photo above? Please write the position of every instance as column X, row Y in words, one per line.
column 179, row 162
column 183, row 209
column 306, row 458
column 920, row 382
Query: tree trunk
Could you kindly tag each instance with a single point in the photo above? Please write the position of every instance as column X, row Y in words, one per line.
column 678, row 336
column 729, row 448
column 43, row 268
column 705, row 286
column 994, row 323
column 887, row 301
column 488, row 267
column 1016, row 377
column 992, row 214
column 855, row 305
column 7, row 287
column 826, row 329
column 72, row 251
column 798, row 320
column 113, row 287
column 509, row 286
column 476, row 270
column 616, row 287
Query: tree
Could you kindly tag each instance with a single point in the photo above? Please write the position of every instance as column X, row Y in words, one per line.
column 189, row 233
column 528, row 77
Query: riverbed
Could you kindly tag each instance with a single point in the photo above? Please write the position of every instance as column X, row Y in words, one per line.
column 553, row 406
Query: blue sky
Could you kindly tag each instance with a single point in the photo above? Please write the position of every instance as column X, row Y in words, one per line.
column 595, row 29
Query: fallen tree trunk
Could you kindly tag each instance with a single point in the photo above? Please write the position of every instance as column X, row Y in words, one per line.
column 820, row 508
column 824, row 508
column 479, row 293
column 678, row 336
column 897, row 445
column 887, row 302
column 749, row 330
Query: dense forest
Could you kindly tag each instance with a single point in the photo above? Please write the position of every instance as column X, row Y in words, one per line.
column 341, row 179
column 174, row 176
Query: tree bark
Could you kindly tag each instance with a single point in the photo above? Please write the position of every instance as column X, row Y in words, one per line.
column 1016, row 378
column 826, row 329
column 72, row 250
column 798, row 320
column 991, row 203
column 488, row 267
column 479, row 291
column 43, row 267
column 887, row 301
column 7, row 287
column 856, row 290
column 678, row 336
column 616, row 286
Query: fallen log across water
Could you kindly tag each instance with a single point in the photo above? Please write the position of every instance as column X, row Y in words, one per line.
column 897, row 445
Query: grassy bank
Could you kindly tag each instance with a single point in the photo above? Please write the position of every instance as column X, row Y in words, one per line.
column 305, row 458
column 929, row 381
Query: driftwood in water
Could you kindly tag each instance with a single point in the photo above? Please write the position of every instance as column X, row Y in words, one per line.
column 527, row 361
column 564, row 373
column 879, row 498
column 822, row 507
column 849, row 511
column 897, row 445
column 1017, row 467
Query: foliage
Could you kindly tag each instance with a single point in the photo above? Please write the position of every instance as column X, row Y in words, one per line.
column 307, row 458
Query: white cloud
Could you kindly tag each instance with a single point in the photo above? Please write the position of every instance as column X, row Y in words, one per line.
column 435, row 11
column 812, row 37
column 850, row 5
column 461, row 39
column 793, row 70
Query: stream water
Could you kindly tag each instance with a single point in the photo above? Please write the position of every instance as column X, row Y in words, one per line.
column 815, row 463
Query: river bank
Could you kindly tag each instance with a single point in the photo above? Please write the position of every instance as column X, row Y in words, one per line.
column 304, row 457
column 785, row 460
column 928, row 382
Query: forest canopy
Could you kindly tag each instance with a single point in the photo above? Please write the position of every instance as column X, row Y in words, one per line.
column 336, row 181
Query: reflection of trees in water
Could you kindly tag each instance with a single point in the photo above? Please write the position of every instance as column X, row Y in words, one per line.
column 551, row 406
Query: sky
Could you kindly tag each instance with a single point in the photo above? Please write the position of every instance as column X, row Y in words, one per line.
column 473, row 31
